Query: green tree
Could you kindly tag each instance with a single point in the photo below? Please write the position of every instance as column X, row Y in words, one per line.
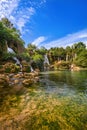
column 81, row 59
column 9, row 36
column 68, row 51
column 78, row 47
column 38, row 59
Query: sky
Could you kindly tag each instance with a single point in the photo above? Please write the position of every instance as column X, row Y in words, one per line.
column 48, row 23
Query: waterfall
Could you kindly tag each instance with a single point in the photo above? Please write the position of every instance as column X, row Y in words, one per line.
column 10, row 50
column 15, row 58
column 46, row 61
column 18, row 62
column 32, row 70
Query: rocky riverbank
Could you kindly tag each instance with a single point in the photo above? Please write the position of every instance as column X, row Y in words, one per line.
column 23, row 79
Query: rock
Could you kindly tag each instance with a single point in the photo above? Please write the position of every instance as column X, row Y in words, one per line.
column 4, row 80
column 10, row 67
column 2, row 70
column 11, row 75
column 27, row 82
column 33, row 74
column 36, row 79
column 18, row 76
column 16, row 81
column 74, row 68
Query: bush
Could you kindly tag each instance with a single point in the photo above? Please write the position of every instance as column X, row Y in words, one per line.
column 25, row 56
column 62, row 65
column 7, row 56
column 38, row 59
column 28, row 69
column 81, row 60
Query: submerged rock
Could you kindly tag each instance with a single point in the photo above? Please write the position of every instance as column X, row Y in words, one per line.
column 4, row 80
column 27, row 82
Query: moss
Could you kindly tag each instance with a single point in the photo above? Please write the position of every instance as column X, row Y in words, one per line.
column 8, row 70
column 1, row 66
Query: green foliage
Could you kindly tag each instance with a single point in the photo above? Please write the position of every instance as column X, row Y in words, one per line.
column 81, row 59
column 31, row 47
column 57, row 53
column 25, row 56
column 7, row 23
column 8, row 70
column 28, row 69
column 38, row 59
column 7, row 56
column 8, row 34
column 16, row 68
column 1, row 66
column 42, row 51
column 62, row 65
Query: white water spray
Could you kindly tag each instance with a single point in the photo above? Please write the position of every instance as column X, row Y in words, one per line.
column 46, row 61
column 15, row 58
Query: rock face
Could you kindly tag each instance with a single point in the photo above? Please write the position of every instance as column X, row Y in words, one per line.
column 17, row 47
column 74, row 68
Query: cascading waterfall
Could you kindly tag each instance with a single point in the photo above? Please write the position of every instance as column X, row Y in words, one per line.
column 32, row 70
column 46, row 62
column 10, row 50
column 18, row 62
column 15, row 58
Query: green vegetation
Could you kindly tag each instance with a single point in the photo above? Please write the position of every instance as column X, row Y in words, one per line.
column 10, row 36
column 60, row 57
column 36, row 110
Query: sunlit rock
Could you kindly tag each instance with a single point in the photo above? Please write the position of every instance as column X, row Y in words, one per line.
column 4, row 80
column 27, row 82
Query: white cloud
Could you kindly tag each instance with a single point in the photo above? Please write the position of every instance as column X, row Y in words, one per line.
column 22, row 18
column 39, row 40
column 7, row 7
column 19, row 11
column 68, row 40
column 38, row 3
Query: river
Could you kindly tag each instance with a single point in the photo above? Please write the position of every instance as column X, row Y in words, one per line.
column 58, row 102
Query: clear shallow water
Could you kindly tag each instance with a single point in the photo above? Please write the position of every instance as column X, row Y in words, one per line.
column 64, row 83
column 58, row 102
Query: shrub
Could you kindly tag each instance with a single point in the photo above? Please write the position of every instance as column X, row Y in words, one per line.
column 8, row 70
column 62, row 65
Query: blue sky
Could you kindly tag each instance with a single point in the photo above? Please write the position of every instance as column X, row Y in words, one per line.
column 48, row 23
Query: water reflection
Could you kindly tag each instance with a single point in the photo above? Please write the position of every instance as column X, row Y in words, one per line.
column 64, row 82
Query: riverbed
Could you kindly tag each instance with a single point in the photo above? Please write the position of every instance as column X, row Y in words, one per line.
column 57, row 102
